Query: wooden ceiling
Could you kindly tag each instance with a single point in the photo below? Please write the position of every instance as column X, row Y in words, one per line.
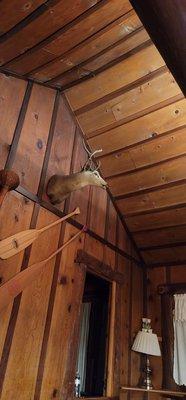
column 125, row 100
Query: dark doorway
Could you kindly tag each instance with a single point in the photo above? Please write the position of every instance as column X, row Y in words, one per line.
column 93, row 336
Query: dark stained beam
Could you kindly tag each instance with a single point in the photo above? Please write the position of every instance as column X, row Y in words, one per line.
column 148, row 190
column 163, row 246
column 165, row 23
column 178, row 263
column 144, row 167
column 99, row 268
column 172, row 288
column 154, row 210
column 91, row 73
column 48, row 206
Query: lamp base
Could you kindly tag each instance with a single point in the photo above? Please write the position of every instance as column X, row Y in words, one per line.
column 145, row 381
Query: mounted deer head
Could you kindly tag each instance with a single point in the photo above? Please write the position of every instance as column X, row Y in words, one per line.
column 59, row 187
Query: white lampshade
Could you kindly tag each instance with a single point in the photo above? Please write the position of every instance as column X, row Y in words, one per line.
column 146, row 342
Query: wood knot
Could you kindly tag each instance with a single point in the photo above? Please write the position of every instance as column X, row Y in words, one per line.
column 1, row 280
column 27, row 6
column 69, row 308
column 26, row 201
column 150, row 297
column 16, row 218
column 39, row 144
column 55, row 393
column 63, row 280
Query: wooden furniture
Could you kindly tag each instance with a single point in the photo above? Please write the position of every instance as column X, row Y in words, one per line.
column 160, row 391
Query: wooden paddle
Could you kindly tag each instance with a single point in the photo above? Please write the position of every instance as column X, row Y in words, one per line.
column 15, row 243
column 9, row 180
column 10, row 289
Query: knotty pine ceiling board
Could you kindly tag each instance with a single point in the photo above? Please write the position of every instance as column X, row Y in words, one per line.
column 105, row 116
column 12, row 12
column 125, row 101
column 62, row 36
column 119, row 76
column 165, row 255
column 106, row 57
column 111, row 36
column 140, row 129
column 154, row 200
column 161, row 148
column 160, row 238
column 161, row 219
column 55, row 15
column 144, row 179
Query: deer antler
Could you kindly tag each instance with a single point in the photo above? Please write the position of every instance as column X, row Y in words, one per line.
column 89, row 161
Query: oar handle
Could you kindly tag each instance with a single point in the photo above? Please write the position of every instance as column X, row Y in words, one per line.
column 84, row 229
column 75, row 212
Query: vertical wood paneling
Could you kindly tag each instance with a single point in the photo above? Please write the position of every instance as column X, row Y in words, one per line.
column 15, row 215
column 125, row 311
column 62, row 145
column 11, row 97
column 110, row 233
column 98, row 210
column 34, row 135
column 24, row 356
column 80, row 197
column 137, row 313
column 66, row 305
column 94, row 247
column 39, row 354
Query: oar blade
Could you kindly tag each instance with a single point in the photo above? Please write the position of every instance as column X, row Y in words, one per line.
column 10, row 289
column 17, row 242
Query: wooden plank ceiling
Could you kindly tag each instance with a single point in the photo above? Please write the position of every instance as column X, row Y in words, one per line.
column 125, row 100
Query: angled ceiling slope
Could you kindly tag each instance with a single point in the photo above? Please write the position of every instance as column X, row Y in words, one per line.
column 125, row 100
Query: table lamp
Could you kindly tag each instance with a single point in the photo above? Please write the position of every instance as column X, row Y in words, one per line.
column 147, row 343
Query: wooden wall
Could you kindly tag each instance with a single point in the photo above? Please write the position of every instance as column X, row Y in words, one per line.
column 38, row 332
column 158, row 276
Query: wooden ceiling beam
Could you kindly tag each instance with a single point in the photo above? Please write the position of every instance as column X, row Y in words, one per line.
column 12, row 12
column 154, row 210
column 152, row 94
column 89, row 47
column 141, row 142
column 141, row 130
column 168, row 235
column 148, row 60
column 107, row 58
column 143, row 167
column 165, row 23
column 161, row 220
column 157, row 152
column 150, row 189
column 69, row 35
column 171, row 254
column 151, row 177
column 40, row 25
column 163, row 246
column 18, row 76
column 167, row 264
column 166, row 101
column 124, row 89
